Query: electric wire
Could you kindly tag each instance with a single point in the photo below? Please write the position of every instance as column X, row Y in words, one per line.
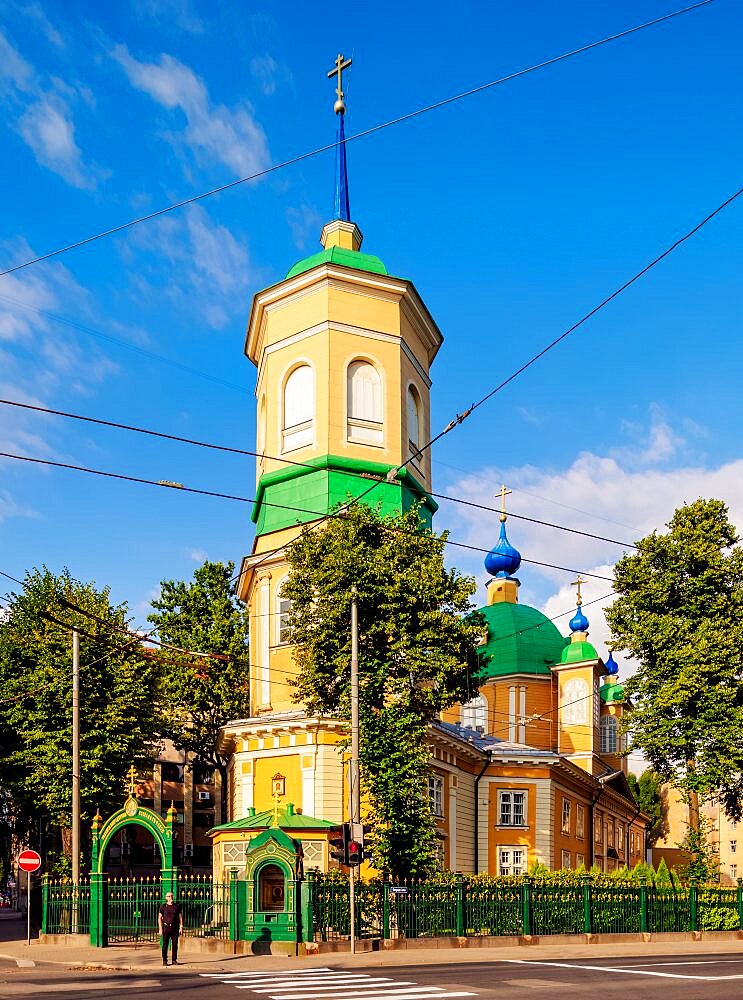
column 354, row 136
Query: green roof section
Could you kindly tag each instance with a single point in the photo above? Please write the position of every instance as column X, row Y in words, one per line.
column 339, row 255
column 521, row 640
column 577, row 652
column 611, row 692
column 299, row 494
column 288, row 819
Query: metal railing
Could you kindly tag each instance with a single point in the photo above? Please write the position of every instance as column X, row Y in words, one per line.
column 205, row 906
column 65, row 908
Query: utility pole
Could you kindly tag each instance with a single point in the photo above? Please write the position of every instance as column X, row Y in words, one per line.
column 354, row 782
column 75, row 759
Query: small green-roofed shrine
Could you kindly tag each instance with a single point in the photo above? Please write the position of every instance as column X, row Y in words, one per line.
column 287, row 819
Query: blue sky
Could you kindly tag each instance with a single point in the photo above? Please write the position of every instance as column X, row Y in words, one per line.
column 513, row 211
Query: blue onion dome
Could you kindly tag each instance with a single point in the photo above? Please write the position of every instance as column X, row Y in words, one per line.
column 611, row 666
column 503, row 560
column 579, row 622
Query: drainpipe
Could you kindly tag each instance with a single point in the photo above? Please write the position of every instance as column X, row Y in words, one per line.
column 592, row 814
column 477, row 811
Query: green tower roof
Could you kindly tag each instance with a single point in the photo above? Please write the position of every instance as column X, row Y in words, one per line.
column 339, row 255
column 521, row 640
column 611, row 692
column 577, row 652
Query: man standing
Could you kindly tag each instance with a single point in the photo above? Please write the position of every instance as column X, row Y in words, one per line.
column 170, row 925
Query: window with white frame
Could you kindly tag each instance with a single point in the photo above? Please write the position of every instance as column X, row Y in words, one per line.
column 475, row 714
column 414, row 420
column 511, row 808
column 598, row 829
column 566, row 816
column 299, row 409
column 575, row 700
column 566, row 860
column 610, row 832
column 580, row 820
column 283, row 607
column 436, row 794
column 733, row 846
column 609, row 740
column 580, row 861
column 734, row 871
column 364, row 389
column 620, row 837
column 512, row 860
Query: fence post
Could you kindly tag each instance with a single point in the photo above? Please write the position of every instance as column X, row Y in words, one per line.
column 386, row 909
column 526, row 915
column 643, row 907
column 99, row 909
column 587, row 922
column 693, row 900
column 45, row 901
column 740, row 902
column 308, row 900
column 459, row 885
column 233, row 902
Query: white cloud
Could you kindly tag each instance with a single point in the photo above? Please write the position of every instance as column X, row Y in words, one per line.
column 305, row 222
column 269, row 73
column 170, row 12
column 198, row 555
column 213, row 131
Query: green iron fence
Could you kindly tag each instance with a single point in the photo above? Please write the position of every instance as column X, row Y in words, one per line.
column 205, row 906
column 330, row 910
column 65, row 908
column 132, row 907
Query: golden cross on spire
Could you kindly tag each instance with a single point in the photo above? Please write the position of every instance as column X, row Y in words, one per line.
column 503, row 493
column 578, row 583
column 340, row 65
column 132, row 775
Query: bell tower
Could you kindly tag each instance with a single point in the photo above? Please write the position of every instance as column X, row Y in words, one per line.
column 342, row 350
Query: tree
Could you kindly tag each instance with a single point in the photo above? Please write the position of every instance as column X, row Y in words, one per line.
column 648, row 793
column 118, row 707
column 679, row 613
column 417, row 649
column 201, row 694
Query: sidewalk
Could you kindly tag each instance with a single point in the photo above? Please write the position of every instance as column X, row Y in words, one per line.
column 146, row 958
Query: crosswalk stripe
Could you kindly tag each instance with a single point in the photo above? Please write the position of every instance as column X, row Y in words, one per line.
column 398, row 989
column 331, row 984
column 327, row 985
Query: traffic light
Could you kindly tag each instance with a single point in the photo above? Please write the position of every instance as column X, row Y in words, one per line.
column 355, row 853
column 339, row 842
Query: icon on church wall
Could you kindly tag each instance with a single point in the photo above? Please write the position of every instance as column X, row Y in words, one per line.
column 278, row 785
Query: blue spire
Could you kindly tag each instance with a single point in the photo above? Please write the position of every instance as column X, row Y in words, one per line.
column 503, row 560
column 611, row 666
column 342, row 210
column 579, row 622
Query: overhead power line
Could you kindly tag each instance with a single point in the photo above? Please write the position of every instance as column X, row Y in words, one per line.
column 288, row 461
column 113, row 230
column 322, row 515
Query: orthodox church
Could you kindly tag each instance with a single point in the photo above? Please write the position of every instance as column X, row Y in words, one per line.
column 529, row 770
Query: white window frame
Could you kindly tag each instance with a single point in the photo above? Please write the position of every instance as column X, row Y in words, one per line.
column 436, row 794
column 512, row 805
column 474, row 714
column 580, row 822
column 609, row 734
column 734, row 872
column 301, row 432
column 413, row 414
column 575, row 701
column 566, row 860
column 513, row 860
column 282, row 608
column 566, row 815
column 580, row 861
column 364, row 408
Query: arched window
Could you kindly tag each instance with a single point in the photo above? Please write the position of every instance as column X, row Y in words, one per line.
column 609, row 734
column 299, row 409
column 475, row 714
column 414, row 420
column 574, row 701
column 283, row 607
column 364, row 388
column 271, row 886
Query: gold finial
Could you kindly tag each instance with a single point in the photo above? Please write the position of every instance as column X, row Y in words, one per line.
column 578, row 583
column 340, row 64
column 503, row 493
column 132, row 775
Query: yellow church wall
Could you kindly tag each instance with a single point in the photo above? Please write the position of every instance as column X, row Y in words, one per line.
column 266, row 768
column 577, row 731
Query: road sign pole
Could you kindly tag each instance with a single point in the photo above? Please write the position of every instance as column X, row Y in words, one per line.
column 355, row 783
column 28, row 909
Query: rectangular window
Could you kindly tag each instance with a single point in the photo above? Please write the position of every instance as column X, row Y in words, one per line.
column 566, row 816
column 580, row 861
column 580, row 819
column 620, row 837
column 734, row 871
column 284, row 607
column 436, row 794
column 566, row 861
column 511, row 808
column 733, row 846
column 598, row 829
column 610, row 832
column 512, row 861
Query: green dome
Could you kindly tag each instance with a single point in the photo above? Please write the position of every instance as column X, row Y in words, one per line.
column 611, row 692
column 577, row 652
column 339, row 255
column 521, row 640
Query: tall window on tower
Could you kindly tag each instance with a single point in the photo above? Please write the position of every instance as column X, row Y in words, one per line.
column 299, row 409
column 364, row 388
column 609, row 739
column 414, row 421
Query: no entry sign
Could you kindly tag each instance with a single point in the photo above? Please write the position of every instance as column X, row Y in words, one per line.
column 29, row 861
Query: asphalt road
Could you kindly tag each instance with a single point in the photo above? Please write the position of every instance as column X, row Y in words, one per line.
column 645, row 978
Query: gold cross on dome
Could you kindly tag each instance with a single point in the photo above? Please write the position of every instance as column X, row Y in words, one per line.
column 578, row 583
column 132, row 775
column 340, row 64
column 503, row 493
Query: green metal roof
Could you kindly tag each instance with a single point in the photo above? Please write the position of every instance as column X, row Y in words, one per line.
column 611, row 692
column 288, row 820
column 521, row 640
column 339, row 255
column 577, row 652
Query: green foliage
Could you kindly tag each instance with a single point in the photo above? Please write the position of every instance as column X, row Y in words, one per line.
column 417, row 650
column 703, row 866
column 679, row 613
column 200, row 694
column 648, row 793
column 118, row 708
